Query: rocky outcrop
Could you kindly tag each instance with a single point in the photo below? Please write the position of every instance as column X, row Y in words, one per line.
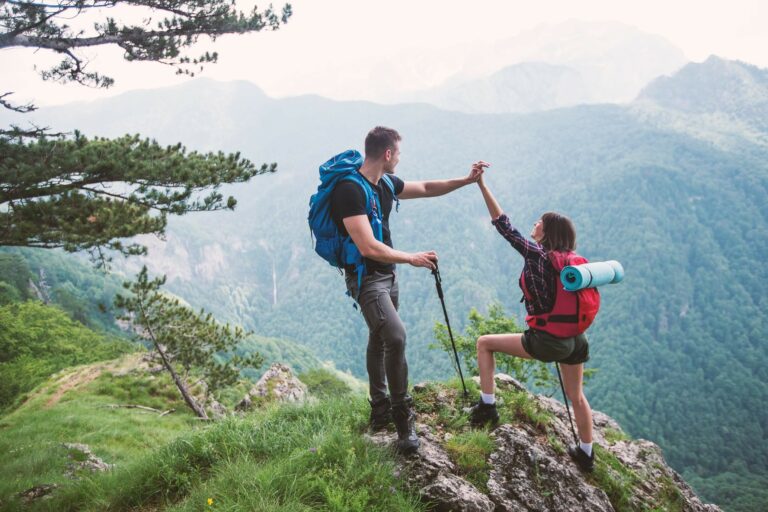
column 277, row 384
column 529, row 469
column 81, row 458
column 432, row 473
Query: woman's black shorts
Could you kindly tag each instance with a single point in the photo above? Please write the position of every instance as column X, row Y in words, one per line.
column 545, row 347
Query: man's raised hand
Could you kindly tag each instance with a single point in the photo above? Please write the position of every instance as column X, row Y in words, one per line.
column 477, row 171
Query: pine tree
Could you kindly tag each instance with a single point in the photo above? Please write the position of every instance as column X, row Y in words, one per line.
column 188, row 343
column 87, row 193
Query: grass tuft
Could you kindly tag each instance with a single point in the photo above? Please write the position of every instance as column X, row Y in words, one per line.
column 470, row 452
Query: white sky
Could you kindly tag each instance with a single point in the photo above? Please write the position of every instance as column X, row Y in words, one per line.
column 333, row 32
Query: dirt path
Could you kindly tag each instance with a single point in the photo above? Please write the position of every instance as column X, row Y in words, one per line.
column 72, row 380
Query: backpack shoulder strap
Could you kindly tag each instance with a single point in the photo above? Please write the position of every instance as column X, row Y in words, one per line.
column 391, row 186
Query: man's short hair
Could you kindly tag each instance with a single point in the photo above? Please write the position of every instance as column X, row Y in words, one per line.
column 379, row 140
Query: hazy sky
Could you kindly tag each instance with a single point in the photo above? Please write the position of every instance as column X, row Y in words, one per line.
column 337, row 32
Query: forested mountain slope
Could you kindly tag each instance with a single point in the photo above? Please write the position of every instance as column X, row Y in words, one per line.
column 680, row 344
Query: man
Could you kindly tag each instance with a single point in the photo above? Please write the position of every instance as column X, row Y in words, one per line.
column 378, row 293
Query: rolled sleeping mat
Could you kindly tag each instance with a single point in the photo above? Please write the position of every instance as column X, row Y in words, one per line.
column 591, row 275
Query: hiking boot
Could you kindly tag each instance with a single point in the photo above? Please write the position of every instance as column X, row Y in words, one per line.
column 405, row 423
column 482, row 413
column 381, row 414
column 585, row 462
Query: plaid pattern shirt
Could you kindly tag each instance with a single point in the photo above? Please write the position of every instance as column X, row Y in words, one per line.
column 540, row 275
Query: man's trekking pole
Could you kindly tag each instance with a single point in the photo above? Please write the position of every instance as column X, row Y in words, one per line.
column 439, row 286
column 575, row 437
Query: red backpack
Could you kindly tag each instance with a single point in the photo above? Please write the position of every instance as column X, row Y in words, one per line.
column 573, row 312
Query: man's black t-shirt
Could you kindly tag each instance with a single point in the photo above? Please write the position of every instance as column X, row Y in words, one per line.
column 348, row 200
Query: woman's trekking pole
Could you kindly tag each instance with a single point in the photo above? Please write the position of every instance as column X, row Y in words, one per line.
column 439, row 285
column 575, row 437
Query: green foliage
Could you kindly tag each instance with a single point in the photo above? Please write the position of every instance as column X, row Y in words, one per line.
column 186, row 340
column 8, row 294
column 440, row 404
column 286, row 458
column 15, row 272
column 324, row 383
column 37, row 341
column 740, row 489
column 58, row 193
column 524, row 370
column 470, row 451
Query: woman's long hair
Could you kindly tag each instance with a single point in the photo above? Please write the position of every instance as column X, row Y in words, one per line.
column 559, row 233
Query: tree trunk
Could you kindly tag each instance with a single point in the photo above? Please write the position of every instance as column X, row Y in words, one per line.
column 180, row 384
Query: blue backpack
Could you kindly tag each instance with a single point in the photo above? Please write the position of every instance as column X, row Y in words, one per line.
column 338, row 250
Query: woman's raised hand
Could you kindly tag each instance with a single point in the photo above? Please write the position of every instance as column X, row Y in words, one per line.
column 478, row 168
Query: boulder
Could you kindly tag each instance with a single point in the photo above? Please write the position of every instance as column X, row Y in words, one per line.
column 277, row 384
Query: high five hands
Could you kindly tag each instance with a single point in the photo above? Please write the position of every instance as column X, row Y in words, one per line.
column 476, row 174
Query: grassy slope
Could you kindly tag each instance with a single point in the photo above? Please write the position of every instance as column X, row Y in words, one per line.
column 289, row 457
column 70, row 408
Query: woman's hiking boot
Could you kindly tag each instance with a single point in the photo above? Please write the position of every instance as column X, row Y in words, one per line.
column 585, row 462
column 405, row 423
column 482, row 413
column 381, row 414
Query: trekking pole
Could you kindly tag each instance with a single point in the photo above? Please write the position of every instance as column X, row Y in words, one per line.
column 575, row 437
column 439, row 286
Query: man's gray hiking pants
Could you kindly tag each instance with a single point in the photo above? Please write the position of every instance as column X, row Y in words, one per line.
column 385, row 358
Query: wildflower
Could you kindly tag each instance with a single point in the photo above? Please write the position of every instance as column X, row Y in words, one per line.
column 313, row 450
column 210, row 501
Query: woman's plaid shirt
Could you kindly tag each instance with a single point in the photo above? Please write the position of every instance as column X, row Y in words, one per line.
column 540, row 276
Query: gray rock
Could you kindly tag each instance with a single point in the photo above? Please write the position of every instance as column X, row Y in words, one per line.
column 82, row 458
column 277, row 384
column 452, row 493
column 431, row 472
column 530, row 470
column 528, row 475
column 37, row 492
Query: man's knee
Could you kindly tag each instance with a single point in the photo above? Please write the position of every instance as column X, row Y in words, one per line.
column 482, row 343
column 393, row 332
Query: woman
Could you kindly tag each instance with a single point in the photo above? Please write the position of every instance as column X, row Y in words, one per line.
column 552, row 232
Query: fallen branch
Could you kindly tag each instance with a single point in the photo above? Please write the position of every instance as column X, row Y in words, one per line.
column 141, row 407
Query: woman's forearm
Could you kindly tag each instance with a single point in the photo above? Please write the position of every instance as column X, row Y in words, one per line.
column 493, row 206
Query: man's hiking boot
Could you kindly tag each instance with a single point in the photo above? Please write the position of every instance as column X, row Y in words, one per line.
column 482, row 413
column 405, row 423
column 381, row 414
column 585, row 462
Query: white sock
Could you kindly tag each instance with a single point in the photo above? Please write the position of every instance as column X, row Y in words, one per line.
column 488, row 398
column 586, row 448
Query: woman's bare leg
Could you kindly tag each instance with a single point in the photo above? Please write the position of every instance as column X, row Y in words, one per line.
column 488, row 344
column 573, row 376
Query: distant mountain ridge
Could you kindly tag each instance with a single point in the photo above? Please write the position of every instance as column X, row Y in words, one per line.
column 524, row 87
column 716, row 99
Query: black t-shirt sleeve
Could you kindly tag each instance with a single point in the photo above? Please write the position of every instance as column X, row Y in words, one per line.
column 398, row 183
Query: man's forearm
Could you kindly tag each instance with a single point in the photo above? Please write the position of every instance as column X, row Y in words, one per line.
column 383, row 253
column 441, row 187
